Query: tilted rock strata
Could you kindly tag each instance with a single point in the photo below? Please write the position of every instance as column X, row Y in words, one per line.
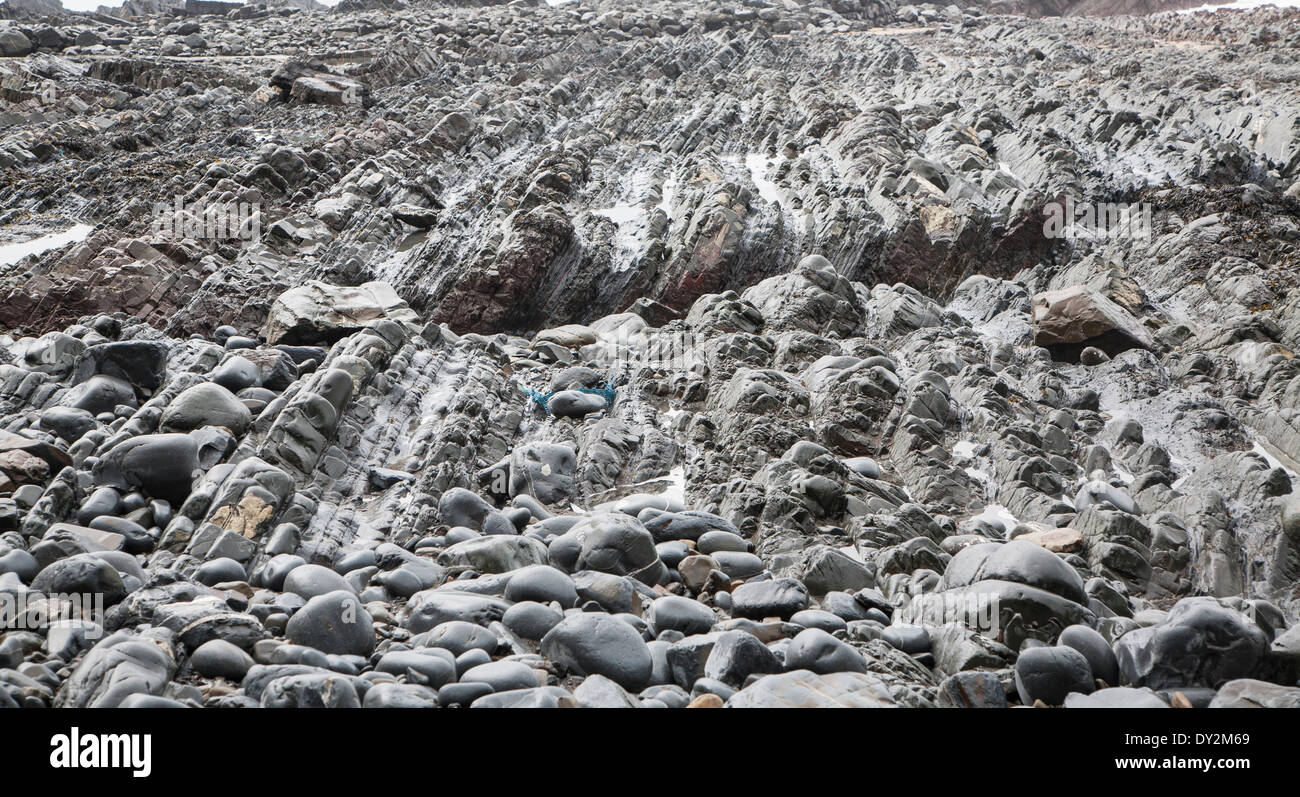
column 819, row 414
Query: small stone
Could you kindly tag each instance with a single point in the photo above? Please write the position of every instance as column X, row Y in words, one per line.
column 818, row 651
column 1061, row 540
column 738, row 654
column 431, row 665
column 705, row 700
column 531, row 620
column 681, row 614
column 597, row 691
column 971, row 690
column 910, row 639
column 458, row 637
column 538, row 697
column 218, row 658
column 310, row 581
column 543, row 584
column 1250, row 693
column 1050, row 673
column 1095, row 648
column 206, row 404
column 803, row 689
column 780, row 597
column 335, row 622
column 502, row 676
column 388, row 695
column 82, row 574
column 1116, row 697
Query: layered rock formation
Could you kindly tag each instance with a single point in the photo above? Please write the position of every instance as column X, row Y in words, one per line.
column 691, row 354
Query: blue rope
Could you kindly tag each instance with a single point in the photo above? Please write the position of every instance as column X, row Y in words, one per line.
column 543, row 399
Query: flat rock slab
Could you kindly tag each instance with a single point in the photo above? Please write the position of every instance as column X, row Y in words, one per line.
column 320, row 313
column 805, row 689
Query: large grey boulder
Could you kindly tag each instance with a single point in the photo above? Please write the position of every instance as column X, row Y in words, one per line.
column 600, row 644
column 298, row 81
column 311, row 690
column 734, row 656
column 140, row 363
column 814, row 649
column 780, row 597
column 813, row 297
column 81, row 574
column 1018, row 561
column 13, row 43
column 544, row 471
column 609, row 542
column 123, row 664
column 1051, row 673
column 1199, row 643
column 205, row 404
column 494, row 554
column 320, row 313
column 163, row 465
column 1074, row 318
column 53, row 353
column 335, row 622
column 1116, row 697
column 433, row 607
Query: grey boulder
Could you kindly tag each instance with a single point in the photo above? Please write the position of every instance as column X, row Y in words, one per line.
column 1199, row 643
column 1050, row 673
column 205, row 404
column 335, row 622
column 600, row 644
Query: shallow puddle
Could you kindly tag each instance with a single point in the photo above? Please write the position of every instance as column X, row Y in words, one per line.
column 12, row 253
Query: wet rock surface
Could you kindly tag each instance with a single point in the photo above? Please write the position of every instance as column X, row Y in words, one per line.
column 667, row 356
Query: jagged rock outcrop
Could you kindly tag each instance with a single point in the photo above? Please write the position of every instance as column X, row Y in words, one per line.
column 681, row 354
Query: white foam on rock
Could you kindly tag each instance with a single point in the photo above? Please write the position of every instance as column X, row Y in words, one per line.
column 853, row 553
column 1242, row 5
column 668, row 417
column 759, row 166
column 964, row 448
column 630, row 238
column 1006, row 169
column 677, row 490
column 620, row 214
column 1273, row 462
column 668, row 194
column 983, row 477
column 1000, row 514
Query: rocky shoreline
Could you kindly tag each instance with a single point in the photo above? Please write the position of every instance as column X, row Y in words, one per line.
column 696, row 355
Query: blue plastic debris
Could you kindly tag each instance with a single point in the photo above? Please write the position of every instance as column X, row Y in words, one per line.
column 543, row 399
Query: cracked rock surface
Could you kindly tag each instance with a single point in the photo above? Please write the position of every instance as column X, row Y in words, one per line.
column 691, row 354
